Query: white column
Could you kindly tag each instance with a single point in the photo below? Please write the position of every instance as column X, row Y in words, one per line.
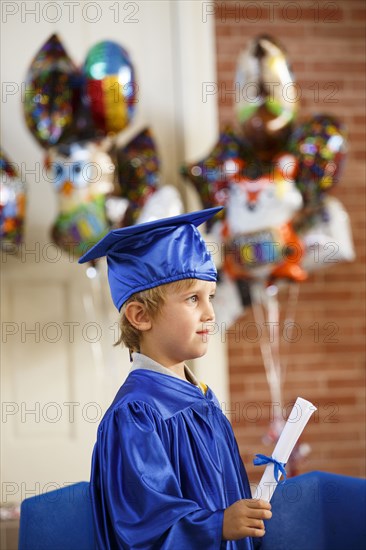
column 197, row 131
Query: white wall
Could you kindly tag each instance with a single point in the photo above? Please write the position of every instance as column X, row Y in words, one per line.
column 53, row 391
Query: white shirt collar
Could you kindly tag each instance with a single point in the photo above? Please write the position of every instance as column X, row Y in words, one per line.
column 141, row 361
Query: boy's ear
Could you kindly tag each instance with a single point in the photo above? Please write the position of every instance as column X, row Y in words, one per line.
column 138, row 316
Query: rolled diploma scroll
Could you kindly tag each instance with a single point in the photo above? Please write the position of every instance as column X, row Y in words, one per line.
column 296, row 422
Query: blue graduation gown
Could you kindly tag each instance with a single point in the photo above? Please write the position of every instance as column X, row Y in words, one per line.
column 165, row 466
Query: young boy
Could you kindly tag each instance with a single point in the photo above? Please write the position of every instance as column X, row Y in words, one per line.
column 166, row 470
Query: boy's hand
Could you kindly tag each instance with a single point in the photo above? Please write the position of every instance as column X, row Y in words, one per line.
column 245, row 518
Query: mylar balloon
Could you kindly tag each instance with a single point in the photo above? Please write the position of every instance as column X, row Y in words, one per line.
column 209, row 176
column 50, row 93
column 138, row 172
column 110, row 86
column 164, row 203
column 83, row 177
column 319, row 145
column 260, row 200
column 329, row 239
column 78, row 230
column 12, row 204
column 265, row 255
column 260, row 240
column 268, row 100
column 267, row 198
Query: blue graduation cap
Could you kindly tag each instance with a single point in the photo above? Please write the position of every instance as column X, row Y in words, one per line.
column 151, row 254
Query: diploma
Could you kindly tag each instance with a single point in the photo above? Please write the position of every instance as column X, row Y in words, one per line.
column 296, row 422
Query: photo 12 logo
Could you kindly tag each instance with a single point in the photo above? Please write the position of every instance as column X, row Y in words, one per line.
column 70, row 11
column 270, row 11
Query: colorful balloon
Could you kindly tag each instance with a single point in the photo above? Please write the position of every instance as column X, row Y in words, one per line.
column 83, row 177
column 12, row 204
column 50, row 96
column 110, row 86
column 260, row 200
column 260, row 242
column 259, row 195
column 268, row 97
column 138, row 172
column 319, row 145
column 78, row 230
column 208, row 175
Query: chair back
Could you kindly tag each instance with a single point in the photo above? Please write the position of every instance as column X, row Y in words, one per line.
column 317, row 511
column 58, row 520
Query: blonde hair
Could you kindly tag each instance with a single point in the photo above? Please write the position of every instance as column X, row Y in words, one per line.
column 153, row 300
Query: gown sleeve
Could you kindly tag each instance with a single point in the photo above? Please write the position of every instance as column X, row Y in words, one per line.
column 136, row 495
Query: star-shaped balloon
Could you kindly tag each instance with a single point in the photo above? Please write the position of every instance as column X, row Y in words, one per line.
column 208, row 175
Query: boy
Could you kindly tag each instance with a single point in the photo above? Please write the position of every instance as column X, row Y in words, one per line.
column 166, row 471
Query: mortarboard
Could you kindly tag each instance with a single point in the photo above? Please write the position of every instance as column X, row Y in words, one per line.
column 151, row 254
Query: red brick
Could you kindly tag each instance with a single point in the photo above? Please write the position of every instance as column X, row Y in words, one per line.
column 358, row 15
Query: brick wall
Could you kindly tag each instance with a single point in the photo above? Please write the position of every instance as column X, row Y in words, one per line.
column 325, row 42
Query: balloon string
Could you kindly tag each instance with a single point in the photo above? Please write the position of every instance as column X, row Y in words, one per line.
column 257, row 292
column 273, row 319
column 289, row 321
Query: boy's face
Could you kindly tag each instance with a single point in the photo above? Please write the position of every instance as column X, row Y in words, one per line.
column 181, row 330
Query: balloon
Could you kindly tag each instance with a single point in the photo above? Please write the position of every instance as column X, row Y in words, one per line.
column 77, row 230
column 12, row 204
column 329, row 240
column 83, row 177
column 63, row 104
column 208, row 175
column 268, row 197
column 50, row 93
column 110, row 86
column 268, row 101
column 319, row 145
column 164, row 203
column 138, row 172
column 268, row 254
column 261, row 200
column 79, row 170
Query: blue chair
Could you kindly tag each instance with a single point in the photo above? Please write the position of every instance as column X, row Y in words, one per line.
column 58, row 520
column 318, row 511
column 315, row 511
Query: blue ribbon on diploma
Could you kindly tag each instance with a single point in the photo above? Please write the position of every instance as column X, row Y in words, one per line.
column 279, row 467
